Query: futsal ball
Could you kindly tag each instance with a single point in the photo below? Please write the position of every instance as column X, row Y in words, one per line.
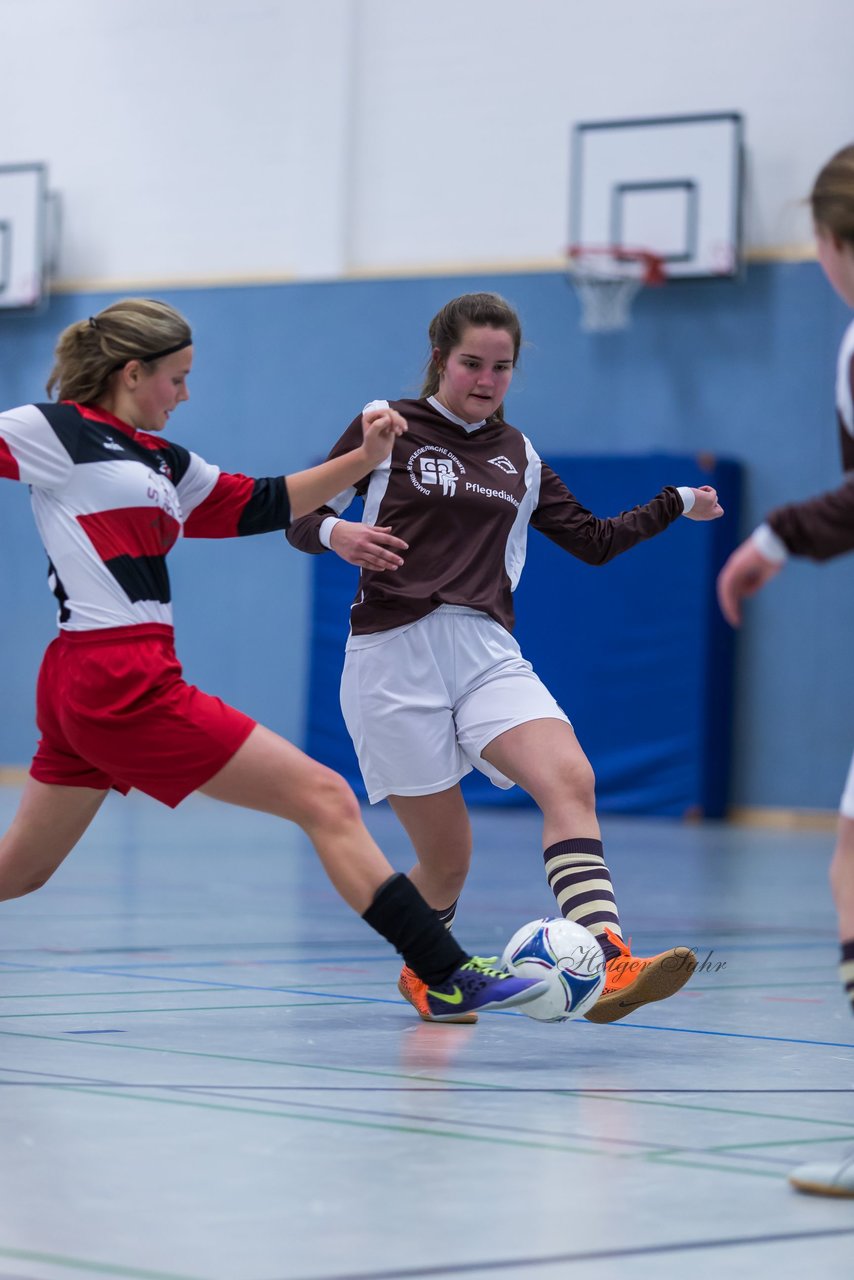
column 568, row 956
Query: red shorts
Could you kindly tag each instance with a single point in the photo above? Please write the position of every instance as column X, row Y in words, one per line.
column 113, row 710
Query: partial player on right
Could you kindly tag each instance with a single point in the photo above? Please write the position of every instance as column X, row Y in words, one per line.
column 819, row 528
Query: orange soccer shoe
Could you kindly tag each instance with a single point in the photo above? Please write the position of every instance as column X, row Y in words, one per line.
column 631, row 981
column 415, row 991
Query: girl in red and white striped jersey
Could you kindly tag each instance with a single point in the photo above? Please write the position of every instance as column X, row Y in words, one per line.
column 819, row 528
column 434, row 683
column 110, row 497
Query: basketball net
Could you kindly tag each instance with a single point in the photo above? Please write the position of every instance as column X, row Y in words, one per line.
column 607, row 280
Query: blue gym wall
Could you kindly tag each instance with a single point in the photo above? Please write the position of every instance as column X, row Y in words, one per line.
column 744, row 370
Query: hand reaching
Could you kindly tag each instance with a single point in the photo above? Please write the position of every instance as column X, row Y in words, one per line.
column 706, row 505
column 367, row 545
column 380, row 429
column 744, row 573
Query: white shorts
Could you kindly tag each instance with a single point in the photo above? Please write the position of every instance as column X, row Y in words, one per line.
column 423, row 701
column 846, row 805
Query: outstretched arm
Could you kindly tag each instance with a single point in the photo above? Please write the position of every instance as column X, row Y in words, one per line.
column 310, row 489
column 705, row 505
column 820, row 528
column 746, row 571
column 561, row 517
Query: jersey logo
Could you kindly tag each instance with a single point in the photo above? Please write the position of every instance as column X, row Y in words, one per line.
column 112, row 444
column 504, row 463
column 439, row 471
column 432, row 468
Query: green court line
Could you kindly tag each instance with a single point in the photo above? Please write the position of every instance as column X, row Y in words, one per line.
column 94, row 1268
column 213, row 987
column 668, row 1157
column 721, row 1111
column 348, row 1122
column 263, row 1062
column 199, row 1008
column 784, row 1142
column 417, row 1079
column 676, row 1162
column 76, row 995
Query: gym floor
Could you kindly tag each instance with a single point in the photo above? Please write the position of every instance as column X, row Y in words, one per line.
column 206, row 1072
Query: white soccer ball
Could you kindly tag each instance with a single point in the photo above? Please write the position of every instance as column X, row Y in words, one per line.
column 568, row 956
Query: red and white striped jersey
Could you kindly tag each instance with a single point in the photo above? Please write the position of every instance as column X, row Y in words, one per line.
column 110, row 502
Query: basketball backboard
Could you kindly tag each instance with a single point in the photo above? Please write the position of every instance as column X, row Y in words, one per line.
column 24, row 206
column 670, row 184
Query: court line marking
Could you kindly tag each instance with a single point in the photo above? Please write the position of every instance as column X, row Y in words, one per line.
column 200, row 1008
column 496, row 1089
column 428, row 1130
column 239, row 1092
column 587, row 1255
column 87, row 1264
column 623, row 1026
column 602, row 1094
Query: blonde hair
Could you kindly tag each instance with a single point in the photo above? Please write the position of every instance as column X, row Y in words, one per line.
column 832, row 196
column 90, row 351
column 448, row 325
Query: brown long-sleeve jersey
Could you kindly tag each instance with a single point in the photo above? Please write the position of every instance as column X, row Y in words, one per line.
column 463, row 502
column 823, row 527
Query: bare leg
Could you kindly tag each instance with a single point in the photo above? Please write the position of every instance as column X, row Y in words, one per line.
column 49, row 822
column 842, row 877
column 545, row 759
column 439, row 828
column 274, row 776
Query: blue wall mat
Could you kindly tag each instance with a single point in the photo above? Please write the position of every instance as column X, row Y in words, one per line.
column 635, row 651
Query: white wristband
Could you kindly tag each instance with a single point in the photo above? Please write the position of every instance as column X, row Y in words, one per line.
column 769, row 545
column 325, row 531
column 688, row 498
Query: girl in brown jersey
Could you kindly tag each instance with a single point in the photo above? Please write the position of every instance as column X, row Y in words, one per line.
column 434, row 683
column 110, row 498
column 820, row 528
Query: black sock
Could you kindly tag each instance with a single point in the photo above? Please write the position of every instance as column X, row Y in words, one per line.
column 447, row 916
column 404, row 919
column 846, row 970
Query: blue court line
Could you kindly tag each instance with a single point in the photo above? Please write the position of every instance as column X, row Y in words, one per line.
column 733, row 1035
column 329, row 995
column 587, row 1255
column 336, row 959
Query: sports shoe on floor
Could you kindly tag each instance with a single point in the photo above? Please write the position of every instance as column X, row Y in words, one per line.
column 414, row 990
column 826, row 1177
column 477, row 984
column 631, row 981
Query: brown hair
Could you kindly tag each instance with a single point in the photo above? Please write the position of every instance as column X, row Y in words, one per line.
column 447, row 328
column 89, row 351
column 832, row 196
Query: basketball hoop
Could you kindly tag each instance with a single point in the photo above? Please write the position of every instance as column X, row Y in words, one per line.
column 607, row 279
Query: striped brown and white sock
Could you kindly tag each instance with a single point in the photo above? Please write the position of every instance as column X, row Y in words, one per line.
column 581, row 883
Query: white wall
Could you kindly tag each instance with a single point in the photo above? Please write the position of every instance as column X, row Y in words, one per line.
column 197, row 140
